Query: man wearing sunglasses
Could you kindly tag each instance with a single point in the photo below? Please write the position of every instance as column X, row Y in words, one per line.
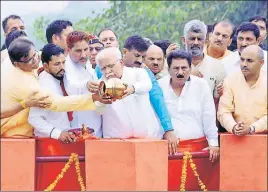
column 95, row 46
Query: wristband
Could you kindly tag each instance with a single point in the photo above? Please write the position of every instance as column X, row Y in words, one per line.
column 23, row 104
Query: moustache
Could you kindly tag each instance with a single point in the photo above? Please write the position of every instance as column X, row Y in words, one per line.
column 180, row 76
column 155, row 65
column 83, row 58
column 244, row 68
column 194, row 47
column 137, row 63
column 218, row 42
column 62, row 70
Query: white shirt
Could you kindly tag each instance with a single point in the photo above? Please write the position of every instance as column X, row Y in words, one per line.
column 213, row 72
column 193, row 113
column 44, row 120
column 77, row 77
column 132, row 116
column 232, row 62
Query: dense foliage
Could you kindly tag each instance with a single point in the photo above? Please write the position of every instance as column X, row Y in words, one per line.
column 161, row 19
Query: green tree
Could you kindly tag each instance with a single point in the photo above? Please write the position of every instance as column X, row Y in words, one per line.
column 164, row 19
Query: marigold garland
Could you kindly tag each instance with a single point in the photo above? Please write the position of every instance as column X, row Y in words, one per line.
column 73, row 158
column 187, row 155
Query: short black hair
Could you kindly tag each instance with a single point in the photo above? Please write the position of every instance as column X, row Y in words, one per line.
column 179, row 54
column 13, row 35
column 107, row 29
column 136, row 42
column 56, row 27
column 19, row 48
column 163, row 44
column 4, row 22
column 49, row 50
column 259, row 18
column 226, row 22
column 247, row 26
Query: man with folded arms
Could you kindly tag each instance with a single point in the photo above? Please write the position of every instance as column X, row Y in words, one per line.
column 133, row 115
column 190, row 104
column 243, row 105
column 18, row 82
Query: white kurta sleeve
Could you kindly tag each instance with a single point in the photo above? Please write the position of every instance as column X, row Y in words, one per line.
column 143, row 82
column 37, row 118
column 209, row 116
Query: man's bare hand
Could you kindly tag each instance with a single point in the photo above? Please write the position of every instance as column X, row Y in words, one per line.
column 104, row 99
column 93, row 86
column 173, row 142
column 241, row 129
column 34, row 101
column 198, row 74
column 172, row 47
column 67, row 137
column 220, row 89
column 129, row 90
column 214, row 153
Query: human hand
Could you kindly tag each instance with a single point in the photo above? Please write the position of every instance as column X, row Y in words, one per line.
column 172, row 47
column 128, row 91
column 34, row 101
column 220, row 89
column 214, row 153
column 104, row 99
column 198, row 74
column 93, row 86
column 173, row 142
column 67, row 137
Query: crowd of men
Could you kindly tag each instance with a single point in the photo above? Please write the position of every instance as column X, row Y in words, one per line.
column 172, row 93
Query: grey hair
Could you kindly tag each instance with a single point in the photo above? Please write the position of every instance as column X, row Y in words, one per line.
column 195, row 26
column 106, row 51
column 148, row 41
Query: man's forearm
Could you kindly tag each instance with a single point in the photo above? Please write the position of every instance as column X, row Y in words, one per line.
column 11, row 110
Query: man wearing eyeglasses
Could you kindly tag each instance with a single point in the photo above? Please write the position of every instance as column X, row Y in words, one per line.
column 20, row 81
column 95, row 46
column 81, row 78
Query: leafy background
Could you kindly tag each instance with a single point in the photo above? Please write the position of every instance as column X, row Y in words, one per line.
column 157, row 19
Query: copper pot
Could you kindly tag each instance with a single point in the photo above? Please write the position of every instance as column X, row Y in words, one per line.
column 114, row 91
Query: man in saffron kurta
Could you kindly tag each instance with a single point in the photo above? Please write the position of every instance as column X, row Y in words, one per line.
column 18, row 82
column 243, row 105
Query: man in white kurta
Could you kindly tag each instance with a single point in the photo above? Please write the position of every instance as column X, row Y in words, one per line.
column 189, row 102
column 132, row 116
column 80, row 75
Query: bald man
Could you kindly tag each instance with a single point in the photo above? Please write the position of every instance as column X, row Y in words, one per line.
column 243, row 105
column 154, row 60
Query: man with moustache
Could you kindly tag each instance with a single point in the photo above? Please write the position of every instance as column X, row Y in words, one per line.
column 57, row 32
column 95, row 46
column 20, row 82
column 261, row 22
column 12, row 23
column 247, row 34
column 243, row 105
column 134, row 51
column 108, row 37
column 203, row 66
column 81, row 78
column 48, row 123
column 220, row 39
column 190, row 105
column 131, row 116
column 154, row 60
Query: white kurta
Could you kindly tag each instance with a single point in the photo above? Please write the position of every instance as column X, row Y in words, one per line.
column 132, row 116
column 232, row 63
column 193, row 113
column 77, row 77
column 44, row 120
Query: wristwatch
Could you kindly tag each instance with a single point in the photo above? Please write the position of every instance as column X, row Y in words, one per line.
column 252, row 129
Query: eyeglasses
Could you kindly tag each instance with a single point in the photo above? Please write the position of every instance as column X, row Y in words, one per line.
column 98, row 49
column 33, row 59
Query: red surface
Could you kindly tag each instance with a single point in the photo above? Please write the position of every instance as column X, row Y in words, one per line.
column 46, row 172
column 208, row 171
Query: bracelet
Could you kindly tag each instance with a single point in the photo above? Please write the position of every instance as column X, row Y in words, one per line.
column 23, row 104
column 51, row 132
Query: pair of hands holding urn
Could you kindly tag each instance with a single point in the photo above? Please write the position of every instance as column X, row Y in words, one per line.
column 110, row 91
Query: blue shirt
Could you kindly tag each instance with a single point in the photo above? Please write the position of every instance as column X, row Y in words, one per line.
column 156, row 99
